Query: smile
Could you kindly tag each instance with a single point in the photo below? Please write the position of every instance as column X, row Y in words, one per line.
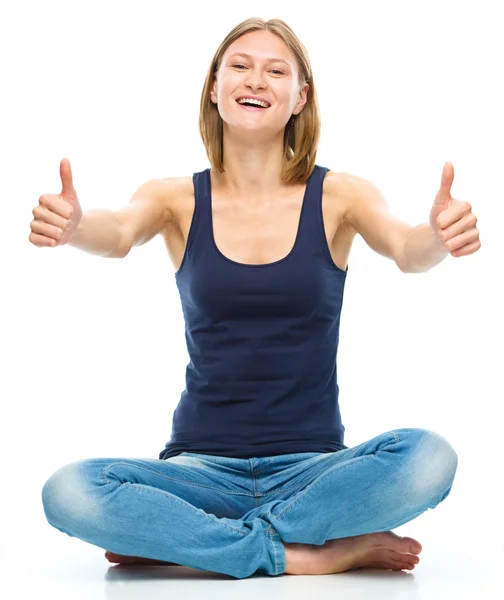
column 253, row 108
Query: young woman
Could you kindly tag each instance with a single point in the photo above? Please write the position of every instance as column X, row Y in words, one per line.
column 256, row 477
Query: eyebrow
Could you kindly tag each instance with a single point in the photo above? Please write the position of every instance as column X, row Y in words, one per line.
column 267, row 59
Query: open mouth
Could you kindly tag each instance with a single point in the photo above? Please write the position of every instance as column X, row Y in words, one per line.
column 251, row 106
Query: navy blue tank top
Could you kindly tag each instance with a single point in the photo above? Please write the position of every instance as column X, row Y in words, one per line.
column 262, row 341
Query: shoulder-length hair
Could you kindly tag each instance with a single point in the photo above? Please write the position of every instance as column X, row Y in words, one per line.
column 302, row 132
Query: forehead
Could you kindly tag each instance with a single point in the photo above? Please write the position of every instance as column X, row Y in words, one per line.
column 261, row 46
column 259, row 57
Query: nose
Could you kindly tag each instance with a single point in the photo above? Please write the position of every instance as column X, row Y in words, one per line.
column 255, row 80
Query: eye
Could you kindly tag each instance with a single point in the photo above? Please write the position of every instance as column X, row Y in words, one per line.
column 273, row 70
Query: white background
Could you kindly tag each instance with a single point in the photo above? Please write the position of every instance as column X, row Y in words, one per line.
column 93, row 349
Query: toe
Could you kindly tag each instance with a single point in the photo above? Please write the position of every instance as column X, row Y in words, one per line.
column 403, row 558
column 399, row 565
column 415, row 547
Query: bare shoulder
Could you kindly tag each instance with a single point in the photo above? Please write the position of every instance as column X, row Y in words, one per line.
column 178, row 192
column 364, row 200
column 338, row 189
column 358, row 197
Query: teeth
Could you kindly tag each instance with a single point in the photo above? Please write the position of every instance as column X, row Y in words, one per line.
column 252, row 101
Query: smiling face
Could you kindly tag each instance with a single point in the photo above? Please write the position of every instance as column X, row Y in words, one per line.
column 275, row 81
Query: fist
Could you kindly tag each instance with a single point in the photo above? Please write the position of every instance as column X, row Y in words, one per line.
column 57, row 216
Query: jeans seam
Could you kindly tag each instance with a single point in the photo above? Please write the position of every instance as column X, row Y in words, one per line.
column 151, row 490
column 271, row 534
column 274, row 549
column 208, row 487
column 397, row 438
column 328, row 472
column 316, row 483
column 154, row 490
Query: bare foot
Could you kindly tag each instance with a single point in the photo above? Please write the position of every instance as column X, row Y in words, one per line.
column 134, row 560
column 384, row 550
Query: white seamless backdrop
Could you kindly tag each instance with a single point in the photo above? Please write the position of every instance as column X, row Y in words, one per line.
column 93, row 349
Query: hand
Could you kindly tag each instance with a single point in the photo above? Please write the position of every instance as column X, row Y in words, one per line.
column 57, row 216
column 453, row 220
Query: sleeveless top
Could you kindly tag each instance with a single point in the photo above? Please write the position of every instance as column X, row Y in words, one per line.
column 262, row 341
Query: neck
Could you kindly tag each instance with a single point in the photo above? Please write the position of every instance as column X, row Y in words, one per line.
column 252, row 169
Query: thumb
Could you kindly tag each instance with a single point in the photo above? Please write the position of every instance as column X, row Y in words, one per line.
column 443, row 196
column 66, row 178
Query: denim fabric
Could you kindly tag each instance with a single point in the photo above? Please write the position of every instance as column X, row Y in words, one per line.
column 231, row 515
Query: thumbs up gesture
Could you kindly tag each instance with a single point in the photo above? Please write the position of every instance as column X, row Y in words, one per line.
column 57, row 216
column 453, row 220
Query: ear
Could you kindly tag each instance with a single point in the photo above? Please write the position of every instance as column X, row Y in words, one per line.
column 303, row 98
column 213, row 93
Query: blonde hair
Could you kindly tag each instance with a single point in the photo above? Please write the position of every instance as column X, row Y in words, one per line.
column 302, row 132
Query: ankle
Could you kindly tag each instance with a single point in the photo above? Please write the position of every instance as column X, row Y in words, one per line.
column 300, row 558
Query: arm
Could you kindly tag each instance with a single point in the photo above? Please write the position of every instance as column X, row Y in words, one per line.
column 423, row 249
column 147, row 214
column 451, row 228
column 369, row 215
column 113, row 234
column 98, row 233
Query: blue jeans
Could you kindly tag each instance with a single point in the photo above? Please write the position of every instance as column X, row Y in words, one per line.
column 231, row 515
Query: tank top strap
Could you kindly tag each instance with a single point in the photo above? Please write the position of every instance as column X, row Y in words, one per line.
column 199, row 238
column 312, row 236
column 202, row 208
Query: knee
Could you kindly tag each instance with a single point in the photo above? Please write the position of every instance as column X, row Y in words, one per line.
column 439, row 449
column 433, row 463
column 64, row 497
column 430, row 446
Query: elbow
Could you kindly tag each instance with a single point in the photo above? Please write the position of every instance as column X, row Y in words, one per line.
column 119, row 252
column 408, row 269
column 123, row 247
column 403, row 265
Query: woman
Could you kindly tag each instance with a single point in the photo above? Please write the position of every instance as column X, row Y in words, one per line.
column 256, row 477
